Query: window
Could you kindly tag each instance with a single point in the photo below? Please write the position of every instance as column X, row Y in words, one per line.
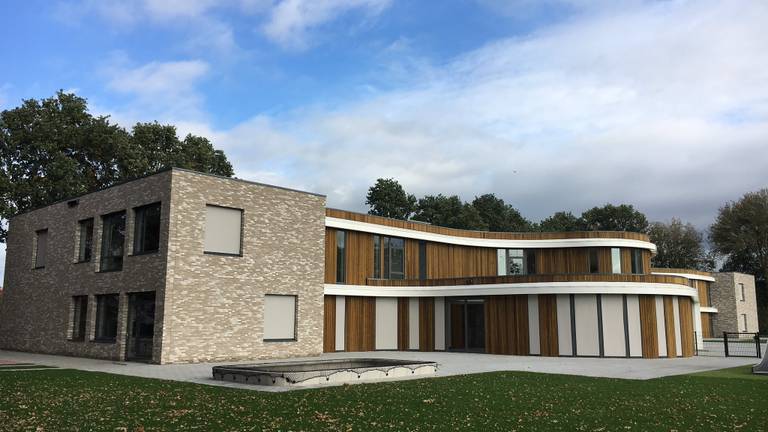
column 530, row 261
column 147, row 229
column 377, row 257
column 516, row 261
column 279, row 317
column 637, row 261
column 616, row 260
column 223, row 230
column 341, row 256
column 422, row 260
column 741, row 290
column 106, row 317
column 85, row 251
column 594, row 265
column 391, row 264
column 112, row 240
column 79, row 317
column 744, row 322
column 41, row 248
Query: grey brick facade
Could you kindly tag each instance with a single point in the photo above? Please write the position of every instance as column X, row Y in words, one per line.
column 731, row 308
column 207, row 307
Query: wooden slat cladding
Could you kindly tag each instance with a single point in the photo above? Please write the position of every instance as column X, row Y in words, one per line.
column 359, row 252
column 479, row 280
column 360, row 328
column 402, row 324
column 426, row 324
column 669, row 326
column 548, row 343
column 411, row 259
column 330, row 255
column 686, row 325
column 706, row 325
column 444, row 260
column 416, row 226
column 506, row 324
column 680, row 271
column 701, row 287
column 649, row 335
column 329, row 324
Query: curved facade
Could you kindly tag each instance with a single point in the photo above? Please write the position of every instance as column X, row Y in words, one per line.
column 401, row 285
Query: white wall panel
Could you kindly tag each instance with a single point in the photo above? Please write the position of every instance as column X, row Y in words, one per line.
column 386, row 323
column 614, row 341
column 661, row 327
column 341, row 321
column 587, row 337
column 533, row 324
column 413, row 323
column 565, row 347
column 223, row 230
column 678, row 339
column 633, row 324
column 439, row 323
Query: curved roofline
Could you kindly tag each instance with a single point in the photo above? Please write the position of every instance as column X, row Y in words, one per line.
column 686, row 273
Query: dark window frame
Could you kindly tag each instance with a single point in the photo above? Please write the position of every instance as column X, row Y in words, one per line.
column 593, row 261
column 140, row 229
column 106, row 241
column 79, row 318
column 637, row 261
column 36, row 258
column 99, row 332
column 341, row 257
column 295, row 318
column 242, row 233
column 85, row 246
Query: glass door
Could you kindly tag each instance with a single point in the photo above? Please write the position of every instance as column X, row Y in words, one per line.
column 466, row 324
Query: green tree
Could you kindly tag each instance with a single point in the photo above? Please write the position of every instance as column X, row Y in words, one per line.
column 388, row 198
column 448, row 212
column 53, row 149
column 740, row 234
column 498, row 215
column 679, row 245
column 561, row 221
column 614, row 218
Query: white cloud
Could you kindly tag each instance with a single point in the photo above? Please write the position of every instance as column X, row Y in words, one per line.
column 290, row 21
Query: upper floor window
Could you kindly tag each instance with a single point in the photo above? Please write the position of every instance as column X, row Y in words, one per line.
column 594, row 261
column 223, row 230
column 147, row 229
column 41, row 248
column 112, row 241
column 742, row 292
column 341, row 256
column 637, row 261
column 616, row 260
column 390, row 262
column 85, row 249
column 516, row 262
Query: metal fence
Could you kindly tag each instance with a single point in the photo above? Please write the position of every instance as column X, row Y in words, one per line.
column 733, row 344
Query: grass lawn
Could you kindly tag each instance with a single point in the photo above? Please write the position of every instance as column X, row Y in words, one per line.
column 64, row 400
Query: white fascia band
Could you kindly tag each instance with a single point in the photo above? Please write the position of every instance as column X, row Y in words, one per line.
column 687, row 276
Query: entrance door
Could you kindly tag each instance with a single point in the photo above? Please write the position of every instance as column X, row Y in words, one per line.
column 141, row 326
column 466, row 324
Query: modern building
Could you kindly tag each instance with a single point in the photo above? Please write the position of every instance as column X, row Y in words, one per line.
column 734, row 297
column 184, row 267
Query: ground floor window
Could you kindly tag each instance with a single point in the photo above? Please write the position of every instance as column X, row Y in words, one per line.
column 279, row 317
column 106, row 317
column 79, row 317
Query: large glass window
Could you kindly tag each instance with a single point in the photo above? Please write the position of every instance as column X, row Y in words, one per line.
column 112, row 241
column 147, row 229
column 594, row 264
column 341, row 256
column 85, row 250
column 376, row 257
column 391, row 265
column 41, row 248
column 637, row 261
column 516, row 262
column 79, row 317
column 223, row 230
column 279, row 317
column 616, row 260
column 106, row 317
column 422, row 259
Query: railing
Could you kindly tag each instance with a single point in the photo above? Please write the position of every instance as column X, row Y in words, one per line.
column 537, row 278
column 742, row 344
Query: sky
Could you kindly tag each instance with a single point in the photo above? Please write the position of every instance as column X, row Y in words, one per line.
column 550, row 104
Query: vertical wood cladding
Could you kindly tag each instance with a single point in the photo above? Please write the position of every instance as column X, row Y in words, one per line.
column 329, row 324
column 402, row 323
column 706, row 325
column 360, row 326
column 411, row 259
column 686, row 325
column 330, row 255
column 669, row 322
column 548, row 325
column 427, row 324
column 649, row 335
column 359, row 253
column 506, row 324
column 701, row 286
column 446, row 261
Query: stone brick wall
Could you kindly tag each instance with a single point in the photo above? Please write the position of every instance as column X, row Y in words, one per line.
column 214, row 304
column 726, row 297
column 36, row 312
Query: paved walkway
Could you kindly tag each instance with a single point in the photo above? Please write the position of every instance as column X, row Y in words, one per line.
column 449, row 364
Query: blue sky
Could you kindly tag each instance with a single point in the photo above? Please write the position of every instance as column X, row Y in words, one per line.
column 550, row 104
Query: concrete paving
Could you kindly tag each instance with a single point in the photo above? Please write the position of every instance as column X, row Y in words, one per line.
column 449, row 364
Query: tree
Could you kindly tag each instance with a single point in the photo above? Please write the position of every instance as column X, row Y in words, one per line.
column 388, row 198
column 614, row 218
column 740, row 234
column 561, row 221
column 53, row 149
column 498, row 215
column 448, row 212
column 679, row 245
